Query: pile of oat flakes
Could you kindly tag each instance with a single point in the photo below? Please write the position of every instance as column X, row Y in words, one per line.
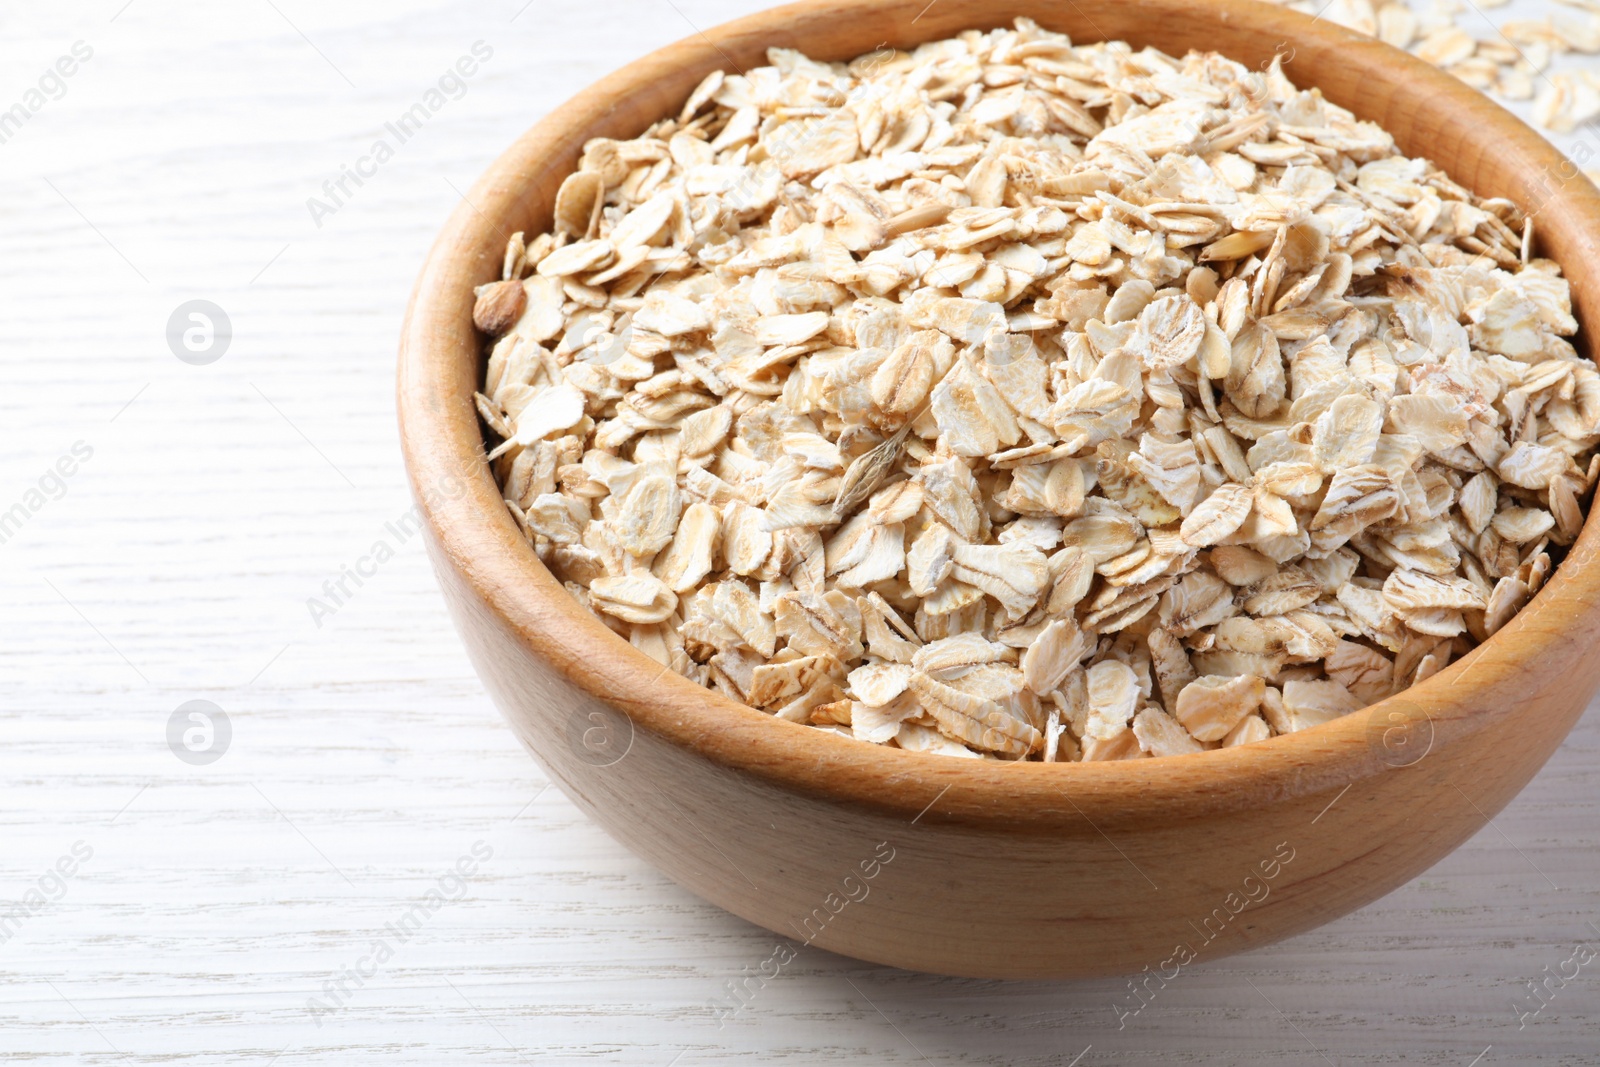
column 1017, row 399
column 1512, row 59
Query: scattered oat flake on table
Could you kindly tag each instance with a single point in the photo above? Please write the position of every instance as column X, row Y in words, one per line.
column 1019, row 400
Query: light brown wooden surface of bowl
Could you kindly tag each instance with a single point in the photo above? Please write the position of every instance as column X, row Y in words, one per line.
column 974, row 867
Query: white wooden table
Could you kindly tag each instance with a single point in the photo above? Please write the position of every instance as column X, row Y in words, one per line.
column 231, row 912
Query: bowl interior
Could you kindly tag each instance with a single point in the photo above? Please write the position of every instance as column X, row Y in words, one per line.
column 1429, row 113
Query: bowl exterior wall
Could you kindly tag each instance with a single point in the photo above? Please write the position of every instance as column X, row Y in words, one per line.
column 1080, row 899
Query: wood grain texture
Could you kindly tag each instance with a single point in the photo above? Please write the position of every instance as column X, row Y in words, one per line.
column 211, row 910
column 1026, row 870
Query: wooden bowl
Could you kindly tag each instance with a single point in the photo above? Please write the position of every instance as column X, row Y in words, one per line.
column 983, row 868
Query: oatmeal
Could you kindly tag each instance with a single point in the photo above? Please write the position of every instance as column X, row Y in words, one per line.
column 1015, row 399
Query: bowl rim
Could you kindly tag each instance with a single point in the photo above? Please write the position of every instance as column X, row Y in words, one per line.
column 472, row 532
